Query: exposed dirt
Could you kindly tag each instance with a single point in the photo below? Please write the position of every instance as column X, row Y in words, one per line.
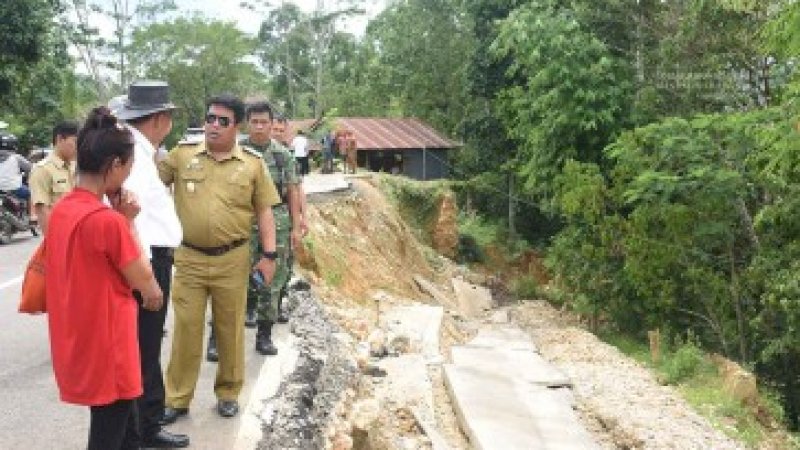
column 361, row 257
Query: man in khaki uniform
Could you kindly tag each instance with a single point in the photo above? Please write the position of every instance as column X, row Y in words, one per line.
column 220, row 188
column 54, row 176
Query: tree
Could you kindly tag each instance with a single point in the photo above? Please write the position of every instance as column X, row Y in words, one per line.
column 285, row 51
column 199, row 58
column 297, row 48
column 25, row 30
column 572, row 97
column 103, row 57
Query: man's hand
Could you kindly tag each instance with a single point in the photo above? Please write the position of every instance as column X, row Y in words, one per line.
column 297, row 237
column 153, row 301
column 126, row 203
column 303, row 227
column 267, row 269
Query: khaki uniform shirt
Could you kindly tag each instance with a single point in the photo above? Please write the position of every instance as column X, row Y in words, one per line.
column 217, row 201
column 50, row 179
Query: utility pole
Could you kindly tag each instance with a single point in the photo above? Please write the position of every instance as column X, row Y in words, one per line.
column 512, row 207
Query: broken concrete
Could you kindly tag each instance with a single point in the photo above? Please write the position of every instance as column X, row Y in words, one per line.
column 437, row 294
column 324, row 183
column 305, row 405
column 420, row 324
column 472, row 300
column 508, row 397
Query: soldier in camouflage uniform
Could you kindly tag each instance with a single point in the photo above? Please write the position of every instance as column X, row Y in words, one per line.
column 265, row 299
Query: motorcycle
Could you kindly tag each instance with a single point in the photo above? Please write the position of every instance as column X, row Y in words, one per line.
column 14, row 217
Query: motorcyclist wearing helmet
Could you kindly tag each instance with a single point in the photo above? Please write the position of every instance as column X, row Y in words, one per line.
column 12, row 167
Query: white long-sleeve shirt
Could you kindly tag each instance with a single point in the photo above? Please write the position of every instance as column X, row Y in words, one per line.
column 157, row 222
column 11, row 168
column 300, row 146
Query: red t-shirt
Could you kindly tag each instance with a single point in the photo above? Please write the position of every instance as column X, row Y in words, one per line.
column 91, row 310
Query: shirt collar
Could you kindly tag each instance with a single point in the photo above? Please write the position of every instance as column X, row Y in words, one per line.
column 237, row 151
column 141, row 140
column 57, row 161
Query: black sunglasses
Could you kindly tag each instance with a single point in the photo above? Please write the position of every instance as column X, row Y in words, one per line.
column 222, row 120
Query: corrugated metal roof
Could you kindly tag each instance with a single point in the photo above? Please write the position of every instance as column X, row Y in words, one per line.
column 386, row 133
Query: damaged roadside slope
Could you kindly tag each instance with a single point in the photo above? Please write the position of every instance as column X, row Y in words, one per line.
column 363, row 260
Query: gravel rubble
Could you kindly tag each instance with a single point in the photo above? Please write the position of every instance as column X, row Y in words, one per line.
column 307, row 400
column 620, row 401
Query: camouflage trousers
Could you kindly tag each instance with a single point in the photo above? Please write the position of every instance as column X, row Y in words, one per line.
column 266, row 299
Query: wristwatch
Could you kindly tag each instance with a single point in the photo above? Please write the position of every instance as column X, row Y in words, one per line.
column 272, row 256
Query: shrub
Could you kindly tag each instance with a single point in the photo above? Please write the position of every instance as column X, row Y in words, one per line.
column 683, row 364
column 525, row 287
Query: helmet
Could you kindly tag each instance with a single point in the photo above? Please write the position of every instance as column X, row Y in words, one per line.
column 8, row 141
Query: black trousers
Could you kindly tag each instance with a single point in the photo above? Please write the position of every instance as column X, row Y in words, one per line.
column 304, row 167
column 151, row 334
column 114, row 426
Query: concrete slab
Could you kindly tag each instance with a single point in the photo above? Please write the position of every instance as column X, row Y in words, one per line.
column 437, row 294
column 499, row 316
column 324, row 183
column 503, row 337
column 422, row 325
column 438, row 442
column 520, row 365
column 407, row 382
column 499, row 413
column 472, row 299
column 507, row 396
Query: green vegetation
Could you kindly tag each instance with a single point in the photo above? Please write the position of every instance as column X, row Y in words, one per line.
column 691, row 370
column 649, row 149
column 417, row 202
column 332, row 278
column 526, row 287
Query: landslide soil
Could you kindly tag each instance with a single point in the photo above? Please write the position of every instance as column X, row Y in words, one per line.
column 360, row 249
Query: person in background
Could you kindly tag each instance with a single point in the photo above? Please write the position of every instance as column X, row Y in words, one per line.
column 93, row 261
column 54, row 176
column 267, row 297
column 147, row 112
column 279, row 132
column 300, row 149
column 12, row 168
column 328, row 143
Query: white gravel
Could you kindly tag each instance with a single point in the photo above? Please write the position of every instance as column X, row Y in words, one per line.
column 620, row 401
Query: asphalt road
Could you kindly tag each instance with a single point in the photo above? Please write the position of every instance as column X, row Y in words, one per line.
column 31, row 414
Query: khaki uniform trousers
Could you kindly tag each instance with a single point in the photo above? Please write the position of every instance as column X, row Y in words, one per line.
column 223, row 279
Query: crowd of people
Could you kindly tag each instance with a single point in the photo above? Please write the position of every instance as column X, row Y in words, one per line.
column 130, row 228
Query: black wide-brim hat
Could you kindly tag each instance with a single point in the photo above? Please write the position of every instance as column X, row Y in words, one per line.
column 144, row 98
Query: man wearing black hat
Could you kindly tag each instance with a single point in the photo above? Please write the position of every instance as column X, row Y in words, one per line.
column 147, row 112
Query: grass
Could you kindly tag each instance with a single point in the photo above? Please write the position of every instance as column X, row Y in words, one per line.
column 484, row 232
column 333, row 278
column 525, row 287
column 693, row 374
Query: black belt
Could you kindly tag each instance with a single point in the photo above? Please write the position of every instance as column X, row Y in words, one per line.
column 215, row 251
column 161, row 252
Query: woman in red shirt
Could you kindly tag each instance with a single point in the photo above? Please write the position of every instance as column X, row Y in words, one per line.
column 93, row 263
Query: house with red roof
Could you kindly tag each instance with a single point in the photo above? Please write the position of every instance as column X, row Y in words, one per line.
column 404, row 146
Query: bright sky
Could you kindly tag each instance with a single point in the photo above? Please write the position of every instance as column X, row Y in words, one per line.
column 247, row 20
column 250, row 22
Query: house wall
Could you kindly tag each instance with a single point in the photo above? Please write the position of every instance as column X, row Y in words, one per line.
column 433, row 168
column 410, row 162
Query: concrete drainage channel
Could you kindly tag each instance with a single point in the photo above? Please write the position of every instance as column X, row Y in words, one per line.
column 298, row 416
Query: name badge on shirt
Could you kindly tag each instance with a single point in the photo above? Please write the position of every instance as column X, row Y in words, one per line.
column 194, row 164
column 190, row 186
